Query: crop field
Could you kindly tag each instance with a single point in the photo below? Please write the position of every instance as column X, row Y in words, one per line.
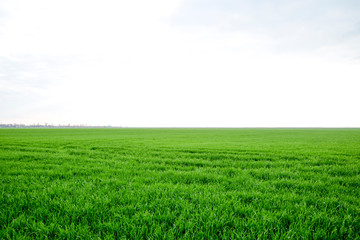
column 180, row 183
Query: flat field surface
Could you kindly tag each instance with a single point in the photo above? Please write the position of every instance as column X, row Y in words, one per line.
column 180, row 183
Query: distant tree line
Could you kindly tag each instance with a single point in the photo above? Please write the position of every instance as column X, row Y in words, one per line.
column 46, row 125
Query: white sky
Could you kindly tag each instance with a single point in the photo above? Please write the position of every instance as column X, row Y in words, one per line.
column 181, row 63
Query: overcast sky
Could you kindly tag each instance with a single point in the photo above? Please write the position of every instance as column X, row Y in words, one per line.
column 181, row 63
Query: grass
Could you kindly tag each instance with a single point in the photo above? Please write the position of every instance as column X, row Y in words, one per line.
column 180, row 183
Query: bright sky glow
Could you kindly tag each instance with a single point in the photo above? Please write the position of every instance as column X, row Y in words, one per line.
column 181, row 63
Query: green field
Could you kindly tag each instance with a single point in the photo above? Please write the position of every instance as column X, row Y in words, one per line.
column 180, row 183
